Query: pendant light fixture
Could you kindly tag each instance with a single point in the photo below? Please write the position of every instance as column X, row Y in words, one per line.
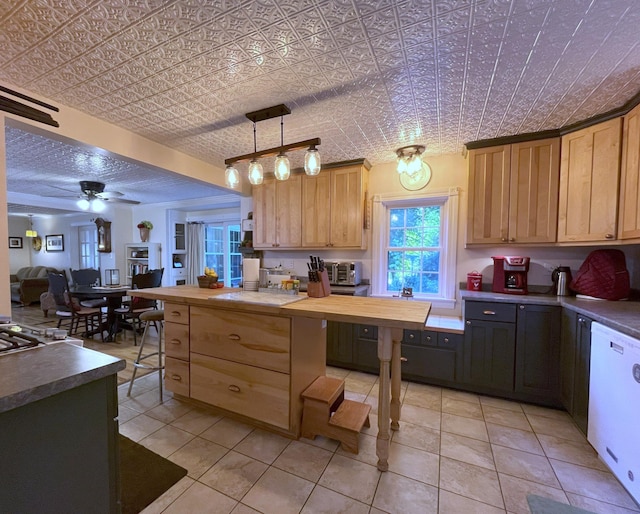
column 30, row 232
column 282, row 168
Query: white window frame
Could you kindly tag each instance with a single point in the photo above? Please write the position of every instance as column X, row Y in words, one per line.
column 382, row 204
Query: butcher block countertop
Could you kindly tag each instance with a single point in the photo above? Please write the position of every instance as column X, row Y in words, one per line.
column 351, row 309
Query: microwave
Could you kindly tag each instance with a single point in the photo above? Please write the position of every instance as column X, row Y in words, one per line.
column 344, row 273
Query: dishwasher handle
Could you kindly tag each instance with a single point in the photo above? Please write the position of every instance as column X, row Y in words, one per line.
column 616, row 347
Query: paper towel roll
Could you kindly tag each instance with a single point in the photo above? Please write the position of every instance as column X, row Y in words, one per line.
column 250, row 270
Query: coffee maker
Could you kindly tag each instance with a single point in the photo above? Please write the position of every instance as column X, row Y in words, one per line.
column 510, row 274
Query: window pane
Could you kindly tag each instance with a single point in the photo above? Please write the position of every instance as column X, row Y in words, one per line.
column 396, row 218
column 413, row 238
column 396, row 238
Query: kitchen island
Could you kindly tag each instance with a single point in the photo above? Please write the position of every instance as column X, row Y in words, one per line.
column 59, row 444
column 254, row 354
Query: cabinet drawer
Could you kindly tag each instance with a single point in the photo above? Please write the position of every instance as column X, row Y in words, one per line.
column 491, row 311
column 176, row 313
column 367, row 332
column 253, row 339
column 420, row 337
column 176, row 340
column 176, row 377
column 253, row 392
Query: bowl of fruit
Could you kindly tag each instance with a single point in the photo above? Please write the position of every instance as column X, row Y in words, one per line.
column 209, row 280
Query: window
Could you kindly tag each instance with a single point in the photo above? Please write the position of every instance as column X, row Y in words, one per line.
column 88, row 247
column 222, row 244
column 416, row 246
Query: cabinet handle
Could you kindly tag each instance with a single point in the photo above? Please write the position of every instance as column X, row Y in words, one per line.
column 609, row 236
column 428, row 338
column 489, row 313
column 522, row 307
column 503, row 239
column 403, row 359
column 234, row 337
column 411, row 336
column 446, row 339
column 366, row 330
column 512, row 239
column 468, row 323
column 177, row 378
column 175, row 314
column 234, row 388
column 176, row 341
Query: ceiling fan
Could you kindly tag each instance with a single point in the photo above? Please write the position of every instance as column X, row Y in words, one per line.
column 94, row 196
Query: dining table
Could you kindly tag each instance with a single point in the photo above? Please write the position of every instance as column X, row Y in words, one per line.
column 112, row 294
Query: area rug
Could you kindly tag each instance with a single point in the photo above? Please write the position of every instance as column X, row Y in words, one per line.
column 144, row 475
column 541, row 505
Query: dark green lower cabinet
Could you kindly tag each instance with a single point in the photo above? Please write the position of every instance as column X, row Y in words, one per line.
column 339, row 344
column 538, row 352
column 489, row 354
column 575, row 359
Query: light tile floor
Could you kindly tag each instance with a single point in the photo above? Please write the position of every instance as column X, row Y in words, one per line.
column 455, row 453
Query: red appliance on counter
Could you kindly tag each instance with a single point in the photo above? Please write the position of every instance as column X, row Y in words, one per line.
column 510, row 274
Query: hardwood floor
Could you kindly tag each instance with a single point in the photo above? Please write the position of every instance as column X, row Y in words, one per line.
column 122, row 348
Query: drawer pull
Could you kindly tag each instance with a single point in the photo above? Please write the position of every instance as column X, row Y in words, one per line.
column 234, row 337
column 403, row 359
column 429, row 338
column 446, row 339
column 177, row 378
column 411, row 336
column 489, row 313
column 175, row 314
column 176, row 341
column 366, row 330
column 234, row 388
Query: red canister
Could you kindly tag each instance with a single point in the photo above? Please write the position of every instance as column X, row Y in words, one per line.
column 474, row 281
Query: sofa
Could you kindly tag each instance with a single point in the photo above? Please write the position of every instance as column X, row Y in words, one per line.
column 28, row 283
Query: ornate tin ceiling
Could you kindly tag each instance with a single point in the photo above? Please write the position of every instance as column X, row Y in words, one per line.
column 366, row 76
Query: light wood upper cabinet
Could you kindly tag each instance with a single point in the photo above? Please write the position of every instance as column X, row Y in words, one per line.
column 334, row 208
column 589, row 181
column 277, row 207
column 513, row 193
column 629, row 211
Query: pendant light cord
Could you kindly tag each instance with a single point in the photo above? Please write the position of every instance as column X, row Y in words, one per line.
column 281, row 131
column 255, row 146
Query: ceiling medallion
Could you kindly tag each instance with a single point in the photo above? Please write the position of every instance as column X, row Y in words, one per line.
column 417, row 180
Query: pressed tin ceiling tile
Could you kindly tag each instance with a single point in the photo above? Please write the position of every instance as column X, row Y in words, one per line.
column 366, row 76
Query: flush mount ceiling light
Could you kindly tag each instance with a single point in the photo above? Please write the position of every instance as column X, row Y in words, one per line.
column 409, row 159
column 282, row 169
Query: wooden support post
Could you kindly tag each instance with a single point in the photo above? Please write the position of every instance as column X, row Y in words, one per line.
column 384, row 400
column 396, row 377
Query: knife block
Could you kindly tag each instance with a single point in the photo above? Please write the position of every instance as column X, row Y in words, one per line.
column 319, row 289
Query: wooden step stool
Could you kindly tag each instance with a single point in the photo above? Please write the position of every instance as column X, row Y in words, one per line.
column 325, row 412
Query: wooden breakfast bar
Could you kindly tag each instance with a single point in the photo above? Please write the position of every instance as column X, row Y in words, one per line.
column 253, row 354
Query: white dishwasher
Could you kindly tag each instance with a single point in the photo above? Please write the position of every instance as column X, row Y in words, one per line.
column 614, row 404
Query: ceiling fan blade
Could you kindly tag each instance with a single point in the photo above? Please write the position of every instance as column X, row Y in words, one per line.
column 122, row 200
column 108, row 195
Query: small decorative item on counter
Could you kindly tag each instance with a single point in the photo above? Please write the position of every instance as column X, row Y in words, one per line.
column 318, row 286
column 474, row 281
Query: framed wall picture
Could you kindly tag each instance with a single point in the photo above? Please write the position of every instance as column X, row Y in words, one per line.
column 54, row 243
column 15, row 242
column 104, row 235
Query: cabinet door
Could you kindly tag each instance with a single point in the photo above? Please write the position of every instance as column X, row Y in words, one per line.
column 568, row 350
column 365, row 348
column 533, row 191
column 488, row 209
column 581, row 378
column 339, row 343
column 489, row 354
column 347, row 207
column 629, row 213
column 289, row 212
column 316, row 210
column 589, row 180
column 264, row 215
column 538, row 351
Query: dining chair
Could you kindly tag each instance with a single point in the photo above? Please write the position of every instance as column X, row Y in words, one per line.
column 88, row 277
column 69, row 309
column 128, row 315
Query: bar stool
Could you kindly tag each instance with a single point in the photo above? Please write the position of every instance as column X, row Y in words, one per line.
column 155, row 317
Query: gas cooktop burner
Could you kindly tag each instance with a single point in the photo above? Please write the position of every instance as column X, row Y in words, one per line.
column 12, row 339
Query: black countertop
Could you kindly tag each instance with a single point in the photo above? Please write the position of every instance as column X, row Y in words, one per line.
column 623, row 316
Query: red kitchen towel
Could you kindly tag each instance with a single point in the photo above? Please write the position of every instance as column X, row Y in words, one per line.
column 603, row 274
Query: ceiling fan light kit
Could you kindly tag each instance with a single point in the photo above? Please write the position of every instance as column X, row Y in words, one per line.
column 30, row 231
column 282, row 168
